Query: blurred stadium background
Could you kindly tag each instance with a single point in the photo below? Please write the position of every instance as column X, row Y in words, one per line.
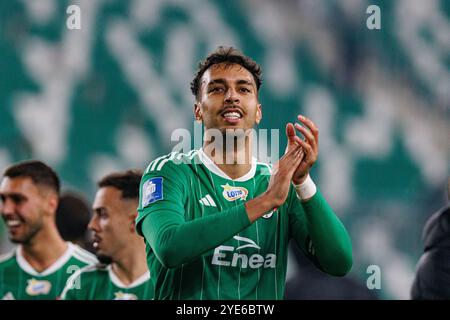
column 108, row 97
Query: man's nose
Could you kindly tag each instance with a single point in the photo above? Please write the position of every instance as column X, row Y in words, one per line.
column 231, row 96
column 7, row 207
column 93, row 223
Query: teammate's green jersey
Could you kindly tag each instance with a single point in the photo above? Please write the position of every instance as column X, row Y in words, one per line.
column 99, row 282
column 201, row 245
column 19, row 281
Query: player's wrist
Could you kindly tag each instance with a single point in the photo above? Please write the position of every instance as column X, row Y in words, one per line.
column 298, row 181
column 271, row 200
column 259, row 206
column 305, row 190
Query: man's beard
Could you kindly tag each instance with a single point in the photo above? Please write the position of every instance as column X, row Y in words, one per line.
column 28, row 236
column 104, row 259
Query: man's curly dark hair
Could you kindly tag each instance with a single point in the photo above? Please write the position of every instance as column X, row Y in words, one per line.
column 227, row 55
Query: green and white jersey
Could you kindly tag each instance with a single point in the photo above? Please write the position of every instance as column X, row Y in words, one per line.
column 99, row 282
column 178, row 189
column 19, row 281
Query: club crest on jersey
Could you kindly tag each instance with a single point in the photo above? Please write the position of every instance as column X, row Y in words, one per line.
column 152, row 191
column 233, row 193
column 124, row 296
column 37, row 287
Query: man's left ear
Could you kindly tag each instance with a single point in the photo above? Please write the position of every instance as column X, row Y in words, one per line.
column 52, row 202
column 259, row 114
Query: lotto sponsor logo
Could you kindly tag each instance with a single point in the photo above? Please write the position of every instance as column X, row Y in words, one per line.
column 234, row 193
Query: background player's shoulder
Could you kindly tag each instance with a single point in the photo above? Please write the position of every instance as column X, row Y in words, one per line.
column 84, row 275
column 6, row 258
column 93, row 270
column 83, row 255
column 88, row 273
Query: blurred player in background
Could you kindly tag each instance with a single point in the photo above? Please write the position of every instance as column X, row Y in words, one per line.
column 115, row 240
column 432, row 281
column 42, row 262
column 72, row 219
column 219, row 229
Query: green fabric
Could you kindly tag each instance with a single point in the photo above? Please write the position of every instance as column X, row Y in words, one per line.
column 97, row 282
column 329, row 240
column 201, row 245
column 19, row 282
column 167, row 232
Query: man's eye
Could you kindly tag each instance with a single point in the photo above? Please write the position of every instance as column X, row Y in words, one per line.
column 245, row 90
column 16, row 199
column 216, row 89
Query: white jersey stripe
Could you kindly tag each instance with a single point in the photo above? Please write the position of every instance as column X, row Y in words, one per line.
column 191, row 154
column 85, row 254
column 211, row 201
column 156, row 161
column 162, row 163
column 84, row 259
column 148, row 167
column 153, row 163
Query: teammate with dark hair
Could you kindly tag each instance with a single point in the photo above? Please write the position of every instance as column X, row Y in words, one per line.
column 126, row 277
column 42, row 262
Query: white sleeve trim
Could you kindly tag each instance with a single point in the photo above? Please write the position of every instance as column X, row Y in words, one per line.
column 306, row 190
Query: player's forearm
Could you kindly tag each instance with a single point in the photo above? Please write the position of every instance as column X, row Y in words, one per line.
column 175, row 241
column 259, row 206
column 332, row 243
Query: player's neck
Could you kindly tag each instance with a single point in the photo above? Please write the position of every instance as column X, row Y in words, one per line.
column 131, row 263
column 44, row 249
column 235, row 161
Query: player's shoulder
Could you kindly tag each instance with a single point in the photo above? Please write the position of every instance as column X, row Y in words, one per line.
column 90, row 273
column 82, row 255
column 86, row 276
column 93, row 271
column 171, row 161
column 7, row 258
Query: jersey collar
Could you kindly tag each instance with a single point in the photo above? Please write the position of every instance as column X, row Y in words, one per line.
column 115, row 279
column 62, row 260
column 211, row 166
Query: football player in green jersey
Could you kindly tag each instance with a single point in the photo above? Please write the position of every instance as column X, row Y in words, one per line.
column 42, row 262
column 219, row 229
column 127, row 276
